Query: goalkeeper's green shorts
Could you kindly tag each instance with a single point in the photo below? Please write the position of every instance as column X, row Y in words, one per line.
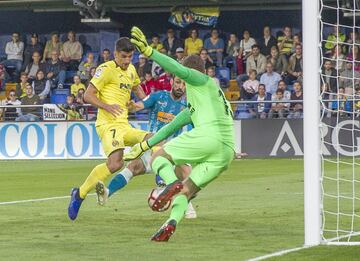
column 208, row 156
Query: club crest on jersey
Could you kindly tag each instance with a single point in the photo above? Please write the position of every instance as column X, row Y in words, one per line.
column 125, row 86
column 115, row 143
column 98, row 73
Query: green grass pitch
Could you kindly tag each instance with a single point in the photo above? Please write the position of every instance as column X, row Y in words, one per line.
column 253, row 209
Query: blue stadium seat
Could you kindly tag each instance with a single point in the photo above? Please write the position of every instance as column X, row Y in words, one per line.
column 70, row 74
column 223, row 74
column 58, row 98
column 61, row 91
column 135, row 58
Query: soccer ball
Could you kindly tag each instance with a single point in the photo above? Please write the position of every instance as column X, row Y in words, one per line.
column 152, row 197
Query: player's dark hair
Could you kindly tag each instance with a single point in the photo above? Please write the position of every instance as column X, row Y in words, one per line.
column 194, row 61
column 124, row 45
column 106, row 50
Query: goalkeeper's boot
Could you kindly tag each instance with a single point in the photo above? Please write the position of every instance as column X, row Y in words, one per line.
column 167, row 194
column 159, row 181
column 75, row 203
column 165, row 232
column 102, row 193
column 190, row 212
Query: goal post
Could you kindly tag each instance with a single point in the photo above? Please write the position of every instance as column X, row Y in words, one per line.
column 311, row 123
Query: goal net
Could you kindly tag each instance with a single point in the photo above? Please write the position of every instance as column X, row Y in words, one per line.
column 340, row 127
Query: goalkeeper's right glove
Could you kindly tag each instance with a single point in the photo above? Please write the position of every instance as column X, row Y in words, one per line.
column 139, row 40
column 136, row 151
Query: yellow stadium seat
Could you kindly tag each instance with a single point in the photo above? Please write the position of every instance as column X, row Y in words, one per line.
column 232, row 95
column 233, row 86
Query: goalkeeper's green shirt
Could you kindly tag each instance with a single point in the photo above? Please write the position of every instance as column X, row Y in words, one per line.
column 210, row 111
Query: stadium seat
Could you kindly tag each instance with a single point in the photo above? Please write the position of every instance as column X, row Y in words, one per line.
column 135, row 58
column 233, row 86
column 8, row 87
column 58, row 98
column 223, row 74
column 70, row 74
column 232, row 95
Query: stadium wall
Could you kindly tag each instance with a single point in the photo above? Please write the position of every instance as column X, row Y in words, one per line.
column 257, row 138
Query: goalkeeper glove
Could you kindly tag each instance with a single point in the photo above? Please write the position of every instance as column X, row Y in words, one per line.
column 139, row 40
column 137, row 151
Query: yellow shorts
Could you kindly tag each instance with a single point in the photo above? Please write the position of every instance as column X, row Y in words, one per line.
column 114, row 136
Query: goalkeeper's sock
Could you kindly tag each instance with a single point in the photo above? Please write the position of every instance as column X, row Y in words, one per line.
column 164, row 168
column 100, row 172
column 179, row 206
column 119, row 181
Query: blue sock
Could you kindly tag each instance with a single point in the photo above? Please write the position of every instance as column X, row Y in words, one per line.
column 119, row 181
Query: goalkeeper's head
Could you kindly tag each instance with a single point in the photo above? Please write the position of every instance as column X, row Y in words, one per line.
column 124, row 51
column 194, row 61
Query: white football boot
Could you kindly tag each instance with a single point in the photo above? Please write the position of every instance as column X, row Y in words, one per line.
column 102, row 193
column 190, row 212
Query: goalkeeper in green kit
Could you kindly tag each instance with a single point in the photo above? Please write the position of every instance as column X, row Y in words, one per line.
column 209, row 147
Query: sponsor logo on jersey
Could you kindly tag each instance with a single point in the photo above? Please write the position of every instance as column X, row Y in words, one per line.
column 98, row 72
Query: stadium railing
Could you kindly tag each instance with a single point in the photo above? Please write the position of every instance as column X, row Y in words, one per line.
column 240, row 109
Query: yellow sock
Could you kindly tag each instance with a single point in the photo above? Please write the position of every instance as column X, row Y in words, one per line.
column 100, row 172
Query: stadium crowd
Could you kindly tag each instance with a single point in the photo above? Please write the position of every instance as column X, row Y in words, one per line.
column 269, row 68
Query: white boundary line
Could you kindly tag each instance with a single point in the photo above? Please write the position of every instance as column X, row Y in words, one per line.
column 279, row 253
column 36, row 200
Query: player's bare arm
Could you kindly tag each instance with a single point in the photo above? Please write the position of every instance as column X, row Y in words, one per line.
column 90, row 96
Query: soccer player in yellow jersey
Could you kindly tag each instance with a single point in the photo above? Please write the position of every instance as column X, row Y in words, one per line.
column 109, row 90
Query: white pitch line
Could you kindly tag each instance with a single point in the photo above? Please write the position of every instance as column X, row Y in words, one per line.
column 36, row 200
column 279, row 253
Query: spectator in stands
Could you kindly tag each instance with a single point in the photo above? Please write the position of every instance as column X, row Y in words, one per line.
column 77, row 85
column 3, row 76
column 72, row 52
column 279, row 61
column 295, row 67
column 149, row 84
column 279, row 110
column 338, row 58
column 163, row 83
column 155, row 43
column 11, row 114
column 270, row 79
column 353, row 39
column 329, row 75
column 180, row 54
column 296, row 41
column 215, row 47
column 142, row 66
column 193, row 44
column 232, row 51
column 171, row 43
column 71, row 109
column 92, row 73
column 53, row 45
column 346, row 79
column 55, row 70
column 41, row 86
column 355, row 56
column 246, row 45
column 85, row 66
column 282, row 86
column 32, row 113
column 285, row 42
column 21, row 86
column 250, row 86
column 296, row 108
column 260, row 110
column 211, row 72
column 256, row 61
column 335, row 36
column 341, row 103
column 33, row 67
column 30, row 49
column 206, row 58
column 80, row 97
column 14, row 51
column 105, row 56
column 267, row 42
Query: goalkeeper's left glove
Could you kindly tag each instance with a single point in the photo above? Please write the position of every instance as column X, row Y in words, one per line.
column 136, row 151
column 139, row 40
